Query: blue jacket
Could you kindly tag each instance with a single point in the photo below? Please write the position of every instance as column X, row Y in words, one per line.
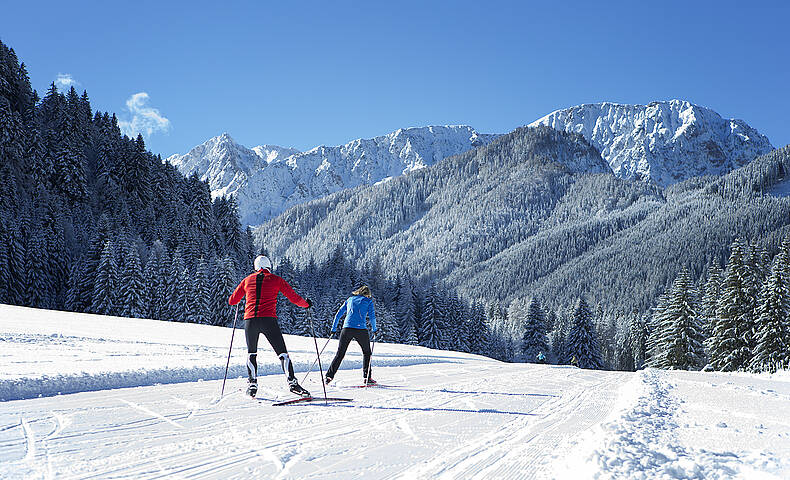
column 356, row 309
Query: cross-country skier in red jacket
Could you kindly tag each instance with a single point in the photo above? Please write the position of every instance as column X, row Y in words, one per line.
column 260, row 316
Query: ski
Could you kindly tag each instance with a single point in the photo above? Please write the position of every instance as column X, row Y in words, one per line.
column 310, row 399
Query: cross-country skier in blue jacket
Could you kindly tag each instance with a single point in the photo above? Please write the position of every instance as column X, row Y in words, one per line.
column 355, row 310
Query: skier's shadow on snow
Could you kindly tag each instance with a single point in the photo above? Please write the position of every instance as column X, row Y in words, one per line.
column 429, row 409
column 445, row 390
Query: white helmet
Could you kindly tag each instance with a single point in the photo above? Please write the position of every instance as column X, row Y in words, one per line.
column 262, row 261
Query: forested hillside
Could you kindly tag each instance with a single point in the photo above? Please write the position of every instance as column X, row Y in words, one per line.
column 90, row 221
column 522, row 217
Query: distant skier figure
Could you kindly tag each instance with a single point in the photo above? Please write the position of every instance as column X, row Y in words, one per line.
column 540, row 357
column 260, row 316
column 574, row 362
column 355, row 310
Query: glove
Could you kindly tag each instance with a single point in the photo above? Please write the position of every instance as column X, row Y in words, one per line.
column 309, row 302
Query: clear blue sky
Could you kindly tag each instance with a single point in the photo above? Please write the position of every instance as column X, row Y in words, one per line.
column 301, row 74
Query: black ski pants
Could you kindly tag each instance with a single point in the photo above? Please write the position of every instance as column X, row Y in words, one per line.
column 346, row 335
column 268, row 326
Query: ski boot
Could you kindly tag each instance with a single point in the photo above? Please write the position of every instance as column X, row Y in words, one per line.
column 252, row 389
column 370, row 381
column 297, row 389
column 327, row 379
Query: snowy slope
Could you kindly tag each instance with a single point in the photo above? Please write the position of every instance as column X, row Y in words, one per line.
column 447, row 415
column 663, row 141
column 268, row 179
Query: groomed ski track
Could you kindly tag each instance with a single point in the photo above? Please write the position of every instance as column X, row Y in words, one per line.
column 472, row 418
column 140, row 401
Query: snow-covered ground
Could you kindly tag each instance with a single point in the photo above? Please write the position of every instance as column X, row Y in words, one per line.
column 140, row 399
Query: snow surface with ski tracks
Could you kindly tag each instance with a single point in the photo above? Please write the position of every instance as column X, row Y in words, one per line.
column 86, row 396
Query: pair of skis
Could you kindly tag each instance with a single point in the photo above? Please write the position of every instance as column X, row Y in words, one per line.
column 297, row 401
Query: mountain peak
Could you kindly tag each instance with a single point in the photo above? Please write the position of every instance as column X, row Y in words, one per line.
column 268, row 179
column 663, row 141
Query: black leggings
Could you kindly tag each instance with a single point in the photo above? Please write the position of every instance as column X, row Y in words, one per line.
column 268, row 326
column 346, row 335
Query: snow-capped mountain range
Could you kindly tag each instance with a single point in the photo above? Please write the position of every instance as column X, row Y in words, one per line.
column 268, row 179
column 665, row 142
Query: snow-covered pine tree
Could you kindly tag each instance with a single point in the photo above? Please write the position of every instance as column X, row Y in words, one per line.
column 582, row 343
column 4, row 277
column 465, row 334
column 39, row 286
column 132, row 287
column 430, row 332
column 222, row 287
column 655, row 349
column 624, row 352
column 559, row 338
column 200, row 296
column 682, row 339
column 175, row 304
column 17, row 285
column 454, row 317
column 104, row 301
column 480, row 336
column 710, row 299
column 772, row 350
column 387, row 327
column 501, row 335
column 405, row 313
column 156, row 272
column 732, row 331
column 72, row 294
column 517, row 316
column 637, row 334
column 534, row 340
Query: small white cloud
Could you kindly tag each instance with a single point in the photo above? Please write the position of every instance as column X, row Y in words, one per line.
column 65, row 80
column 145, row 119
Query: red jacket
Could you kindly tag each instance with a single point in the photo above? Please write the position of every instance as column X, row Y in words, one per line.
column 265, row 291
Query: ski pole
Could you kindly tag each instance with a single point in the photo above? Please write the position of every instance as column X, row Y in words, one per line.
column 367, row 379
column 318, row 354
column 233, row 333
column 316, row 360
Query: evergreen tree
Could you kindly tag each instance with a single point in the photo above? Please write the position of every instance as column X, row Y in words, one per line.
column 534, row 339
column 772, row 351
column 132, row 287
column 222, row 287
column 582, row 343
column 4, row 271
column 201, row 295
column 733, row 328
column 176, row 308
column 638, row 337
column 387, row 327
column 156, row 272
column 655, row 353
column 480, row 341
column 430, row 334
column 406, row 314
column 710, row 299
column 39, row 286
column 681, row 339
column 104, row 295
